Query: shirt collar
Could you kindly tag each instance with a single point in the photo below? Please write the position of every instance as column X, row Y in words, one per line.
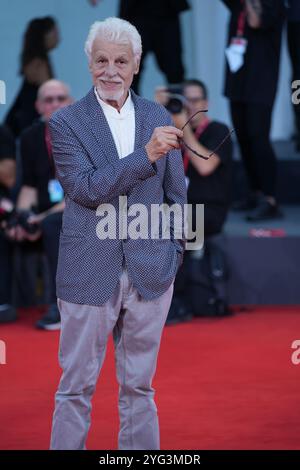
column 126, row 109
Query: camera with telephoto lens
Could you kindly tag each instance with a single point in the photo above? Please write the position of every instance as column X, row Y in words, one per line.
column 177, row 101
column 13, row 217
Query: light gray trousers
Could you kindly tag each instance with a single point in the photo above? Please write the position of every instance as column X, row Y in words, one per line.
column 137, row 327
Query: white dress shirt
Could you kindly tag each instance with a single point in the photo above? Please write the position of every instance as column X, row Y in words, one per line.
column 122, row 124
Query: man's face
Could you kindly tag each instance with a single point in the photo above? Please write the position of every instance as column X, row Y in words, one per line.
column 52, row 98
column 195, row 102
column 112, row 67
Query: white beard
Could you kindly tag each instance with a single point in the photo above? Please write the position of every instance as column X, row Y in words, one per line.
column 110, row 95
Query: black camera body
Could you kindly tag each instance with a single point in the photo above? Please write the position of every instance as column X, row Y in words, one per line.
column 177, row 101
column 22, row 220
column 13, row 217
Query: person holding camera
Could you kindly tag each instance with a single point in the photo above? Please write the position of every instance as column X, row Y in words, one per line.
column 7, row 181
column 208, row 180
column 209, row 183
column 40, row 202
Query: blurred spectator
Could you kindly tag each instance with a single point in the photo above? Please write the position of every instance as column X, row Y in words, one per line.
column 209, row 180
column 40, row 37
column 293, row 36
column 41, row 201
column 209, row 183
column 7, row 181
column 253, row 54
column 158, row 24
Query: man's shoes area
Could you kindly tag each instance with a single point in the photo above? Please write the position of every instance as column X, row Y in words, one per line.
column 7, row 313
column 248, row 203
column 215, row 308
column 51, row 319
column 178, row 312
column 264, row 211
column 258, row 208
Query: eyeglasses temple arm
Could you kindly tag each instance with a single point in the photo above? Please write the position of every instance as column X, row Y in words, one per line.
column 200, row 111
column 221, row 143
column 193, row 151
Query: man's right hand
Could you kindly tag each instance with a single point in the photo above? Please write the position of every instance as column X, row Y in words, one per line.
column 162, row 141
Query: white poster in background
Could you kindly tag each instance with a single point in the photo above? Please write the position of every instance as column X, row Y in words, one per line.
column 2, row 92
column 235, row 53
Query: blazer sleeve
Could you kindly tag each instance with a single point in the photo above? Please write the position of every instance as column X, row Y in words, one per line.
column 81, row 180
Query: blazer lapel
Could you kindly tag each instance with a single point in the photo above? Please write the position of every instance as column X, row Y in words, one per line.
column 143, row 129
column 101, row 131
column 100, row 128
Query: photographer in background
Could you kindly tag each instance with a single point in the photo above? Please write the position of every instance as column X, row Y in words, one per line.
column 209, row 183
column 7, row 181
column 41, row 201
column 208, row 180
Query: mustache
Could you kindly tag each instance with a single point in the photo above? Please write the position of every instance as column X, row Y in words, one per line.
column 108, row 80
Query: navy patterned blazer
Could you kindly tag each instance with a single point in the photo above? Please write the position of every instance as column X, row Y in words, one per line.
column 91, row 173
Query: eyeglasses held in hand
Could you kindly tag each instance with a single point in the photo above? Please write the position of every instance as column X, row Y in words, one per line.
column 218, row 146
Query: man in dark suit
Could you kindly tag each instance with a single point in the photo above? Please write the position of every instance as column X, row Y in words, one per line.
column 158, row 24
column 108, row 146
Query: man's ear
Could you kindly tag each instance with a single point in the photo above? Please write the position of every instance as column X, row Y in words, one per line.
column 137, row 68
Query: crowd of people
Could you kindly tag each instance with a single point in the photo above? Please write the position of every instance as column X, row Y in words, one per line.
column 79, row 158
column 34, row 216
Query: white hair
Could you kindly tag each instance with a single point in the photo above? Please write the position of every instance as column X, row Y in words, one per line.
column 114, row 30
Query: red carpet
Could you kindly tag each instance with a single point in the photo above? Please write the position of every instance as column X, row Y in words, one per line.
column 221, row 384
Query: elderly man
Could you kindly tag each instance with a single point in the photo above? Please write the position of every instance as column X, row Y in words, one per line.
column 158, row 22
column 109, row 144
column 41, row 201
